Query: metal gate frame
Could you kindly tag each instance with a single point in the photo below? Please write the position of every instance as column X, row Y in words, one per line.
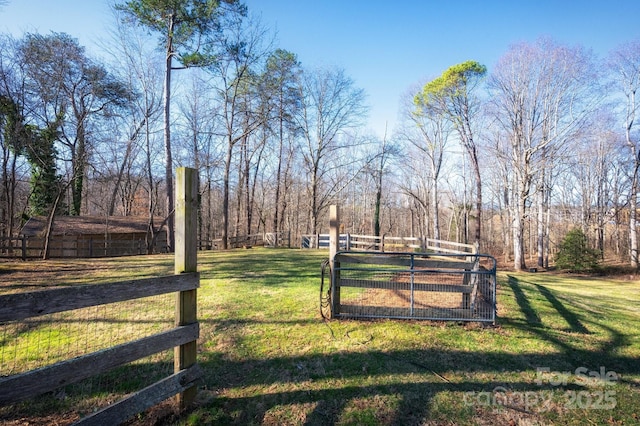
column 471, row 276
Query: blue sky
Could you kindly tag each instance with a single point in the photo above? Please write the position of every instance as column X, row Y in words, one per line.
column 386, row 47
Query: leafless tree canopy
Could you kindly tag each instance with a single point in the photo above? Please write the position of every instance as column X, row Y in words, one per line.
column 275, row 142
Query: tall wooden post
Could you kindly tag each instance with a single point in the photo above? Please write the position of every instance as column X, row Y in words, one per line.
column 186, row 260
column 334, row 247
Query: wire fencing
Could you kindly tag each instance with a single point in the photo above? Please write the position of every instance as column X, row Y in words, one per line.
column 35, row 343
column 452, row 287
column 101, row 353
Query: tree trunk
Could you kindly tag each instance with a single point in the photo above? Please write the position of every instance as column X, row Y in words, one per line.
column 150, row 235
column 633, row 232
column 225, row 195
column 633, row 199
column 478, row 178
column 78, row 172
column 247, row 189
column 314, row 204
column 167, row 137
column 50, row 221
column 540, row 226
column 276, row 207
column 519, row 262
column 376, row 211
column 436, row 210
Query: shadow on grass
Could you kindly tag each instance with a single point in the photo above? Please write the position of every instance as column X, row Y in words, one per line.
column 527, row 309
column 575, row 325
column 533, row 324
column 401, row 386
column 329, row 384
column 397, row 386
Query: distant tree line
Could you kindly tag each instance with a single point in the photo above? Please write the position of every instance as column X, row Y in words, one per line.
column 512, row 157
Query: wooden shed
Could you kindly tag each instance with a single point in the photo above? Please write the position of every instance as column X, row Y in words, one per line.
column 93, row 236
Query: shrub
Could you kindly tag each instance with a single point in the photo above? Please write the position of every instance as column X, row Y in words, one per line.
column 575, row 254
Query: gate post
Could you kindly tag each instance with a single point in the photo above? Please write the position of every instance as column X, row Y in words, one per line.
column 334, row 247
column 186, row 252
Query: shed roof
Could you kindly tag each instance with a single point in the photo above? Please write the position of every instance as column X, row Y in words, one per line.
column 88, row 225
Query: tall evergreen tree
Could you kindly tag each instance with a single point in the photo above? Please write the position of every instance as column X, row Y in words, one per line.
column 188, row 31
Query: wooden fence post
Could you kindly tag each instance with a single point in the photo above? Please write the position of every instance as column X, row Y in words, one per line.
column 334, row 247
column 186, row 252
column 24, row 247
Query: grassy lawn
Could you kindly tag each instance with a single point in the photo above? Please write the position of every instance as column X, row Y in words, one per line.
column 270, row 359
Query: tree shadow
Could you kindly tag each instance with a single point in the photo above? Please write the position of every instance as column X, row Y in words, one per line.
column 416, row 398
column 285, row 381
column 413, row 378
column 527, row 309
column 532, row 317
column 572, row 319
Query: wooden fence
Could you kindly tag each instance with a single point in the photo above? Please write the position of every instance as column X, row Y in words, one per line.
column 354, row 242
column 267, row 239
column 74, row 246
column 183, row 337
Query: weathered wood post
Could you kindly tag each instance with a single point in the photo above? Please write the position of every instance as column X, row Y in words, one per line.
column 24, row 247
column 334, row 247
column 186, row 260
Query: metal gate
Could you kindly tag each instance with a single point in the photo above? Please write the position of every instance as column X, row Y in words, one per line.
column 455, row 287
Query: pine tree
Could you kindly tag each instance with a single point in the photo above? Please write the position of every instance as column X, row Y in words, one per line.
column 575, row 254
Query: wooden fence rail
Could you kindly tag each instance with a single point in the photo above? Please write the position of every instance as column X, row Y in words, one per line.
column 388, row 244
column 182, row 337
column 21, row 306
column 267, row 239
column 71, row 246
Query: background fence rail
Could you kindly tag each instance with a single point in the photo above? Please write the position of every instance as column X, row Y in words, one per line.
column 354, row 242
column 74, row 246
column 71, row 246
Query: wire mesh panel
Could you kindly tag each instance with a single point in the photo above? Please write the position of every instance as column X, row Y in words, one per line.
column 44, row 340
column 454, row 287
column 39, row 342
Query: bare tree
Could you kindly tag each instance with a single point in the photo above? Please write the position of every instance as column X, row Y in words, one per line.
column 188, row 30
column 198, row 109
column 75, row 90
column 429, row 135
column 452, row 95
column 11, row 135
column 331, row 106
column 541, row 94
column 379, row 169
column 139, row 69
column 280, row 82
column 234, row 79
column 624, row 63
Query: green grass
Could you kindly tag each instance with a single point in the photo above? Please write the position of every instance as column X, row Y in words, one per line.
column 270, row 359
